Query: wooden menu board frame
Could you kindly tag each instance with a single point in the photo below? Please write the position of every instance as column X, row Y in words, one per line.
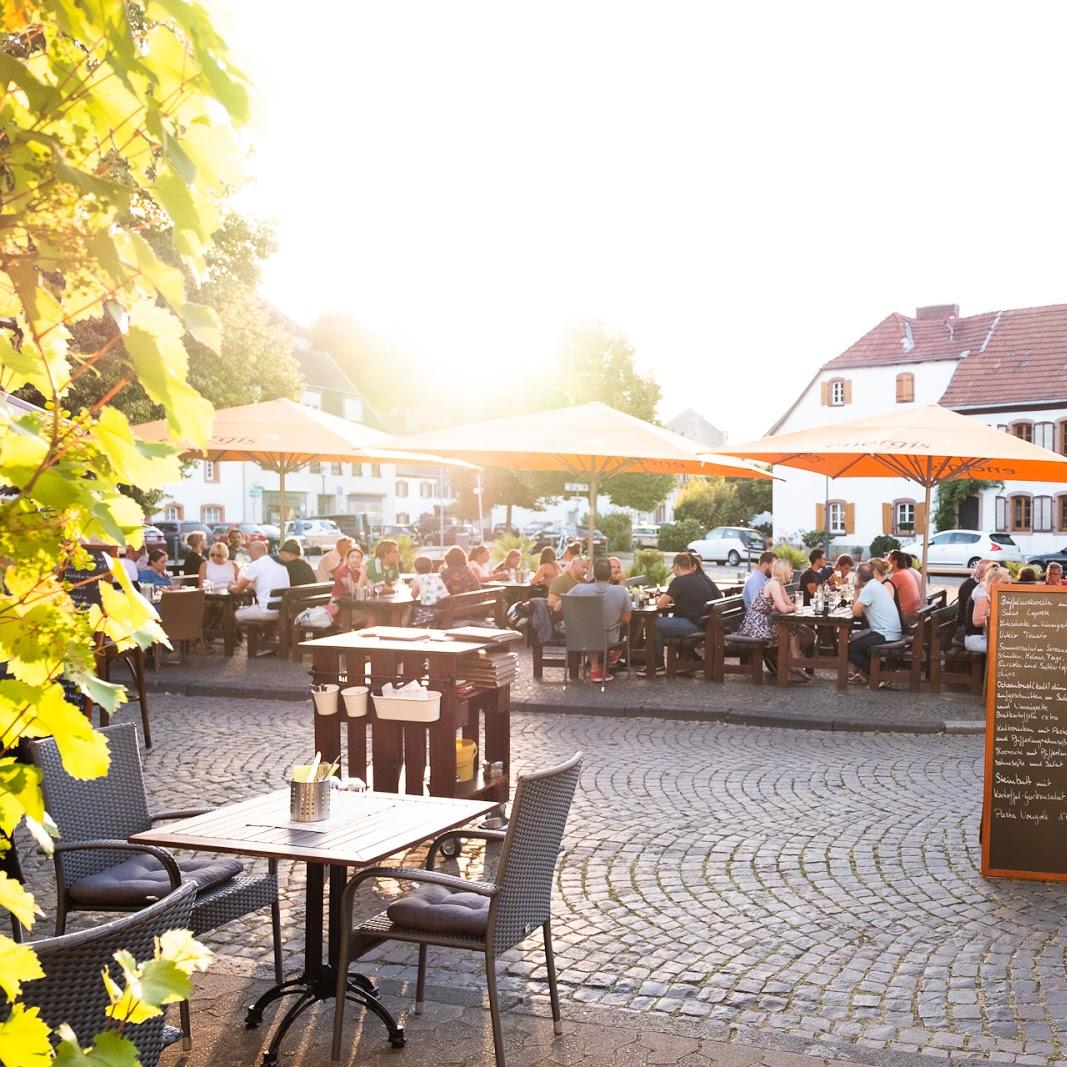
column 1052, row 594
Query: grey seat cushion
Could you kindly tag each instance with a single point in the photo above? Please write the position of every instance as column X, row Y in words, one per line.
column 441, row 911
column 142, row 879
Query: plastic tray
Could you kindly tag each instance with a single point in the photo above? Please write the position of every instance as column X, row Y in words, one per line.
column 402, row 710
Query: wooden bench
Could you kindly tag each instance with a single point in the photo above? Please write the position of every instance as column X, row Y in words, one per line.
column 949, row 663
column 902, row 661
column 672, row 644
column 288, row 603
column 488, row 603
column 302, row 632
column 723, row 643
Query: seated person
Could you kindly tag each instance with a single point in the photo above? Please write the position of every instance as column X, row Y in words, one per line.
column 333, row 559
column 875, row 602
column 457, row 574
column 842, row 569
column 687, row 595
column 347, row 581
column 571, row 551
column 508, row 568
column 772, row 599
column 573, row 574
column 755, row 582
column 236, row 544
column 429, row 589
column 479, row 563
column 714, row 593
column 154, row 572
column 618, row 575
column 1054, row 574
column 547, row 570
column 616, row 604
column 194, row 557
column 128, row 558
column 977, row 640
column 814, row 576
column 218, row 569
column 1027, row 576
column 300, row 572
column 384, row 569
column 905, row 584
column 263, row 574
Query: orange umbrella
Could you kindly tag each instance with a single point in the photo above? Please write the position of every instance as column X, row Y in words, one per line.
column 591, row 441
column 283, row 436
column 927, row 445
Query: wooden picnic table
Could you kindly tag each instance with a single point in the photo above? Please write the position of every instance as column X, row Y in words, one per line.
column 838, row 623
column 390, row 610
column 363, row 829
column 226, row 604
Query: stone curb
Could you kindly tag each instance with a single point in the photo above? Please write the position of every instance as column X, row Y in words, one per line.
column 679, row 714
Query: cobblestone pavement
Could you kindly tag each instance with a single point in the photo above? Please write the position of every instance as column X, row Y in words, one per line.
column 815, row 890
column 818, row 705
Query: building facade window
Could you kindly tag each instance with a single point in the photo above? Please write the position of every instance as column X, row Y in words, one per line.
column 903, row 516
column 1045, row 435
column 211, row 471
column 1042, row 514
column 212, row 513
column 312, row 398
column 426, row 490
column 315, row 468
column 1022, row 520
column 401, row 488
column 836, row 516
column 905, row 388
column 403, row 518
column 375, row 470
column 352, row 408
column 336, row 468
column 1023, row 430
column 1061, row 512
column 1061, row 438
column 173, row 512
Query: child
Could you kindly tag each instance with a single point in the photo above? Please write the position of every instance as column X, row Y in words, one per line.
column 428, row 588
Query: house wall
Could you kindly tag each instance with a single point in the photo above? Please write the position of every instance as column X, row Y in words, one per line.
column 872, row 390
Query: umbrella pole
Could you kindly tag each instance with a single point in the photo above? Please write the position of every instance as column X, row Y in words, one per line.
column 594, row 478
column 926, row 544
column 281, row 502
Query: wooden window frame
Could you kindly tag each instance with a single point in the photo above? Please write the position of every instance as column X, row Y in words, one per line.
column 336, row 469
column 1020, row 424
column 178, row 509
column 211, row 472
column 1015, row 500
column 1061, row 437
column 426, row 490
column 905, row 388
column 222, row 513
column 315, row 467
column 898, row 530
column 1060, row 512
column 830, row 505
column 403, row 518
column 401, row 488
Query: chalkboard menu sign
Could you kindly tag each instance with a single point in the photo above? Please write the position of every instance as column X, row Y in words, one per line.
column 84, row 590
column 1024, row 821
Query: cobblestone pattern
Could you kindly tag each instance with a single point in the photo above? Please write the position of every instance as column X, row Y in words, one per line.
column 806, row 884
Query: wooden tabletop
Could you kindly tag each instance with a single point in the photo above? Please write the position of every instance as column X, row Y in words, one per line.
column 438, row 643
column 363, row 828
column 808, row 617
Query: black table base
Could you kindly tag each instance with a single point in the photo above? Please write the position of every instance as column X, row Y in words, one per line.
column 318, row 982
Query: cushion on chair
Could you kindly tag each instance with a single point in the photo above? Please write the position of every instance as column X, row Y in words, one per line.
column 441, row 911
column 142, row 879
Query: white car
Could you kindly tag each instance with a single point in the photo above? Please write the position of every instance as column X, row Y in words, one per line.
column 728, row 544
column 962, row 549
column 316, row 535
column 645, row 537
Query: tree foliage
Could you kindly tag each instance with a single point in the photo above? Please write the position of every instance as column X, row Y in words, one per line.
column 951, row 494
column 723, row 501
column 112, row 115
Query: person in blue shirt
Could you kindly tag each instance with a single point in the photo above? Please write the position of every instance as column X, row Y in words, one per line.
column 874, row 601
column 155, row 570
column 755, row 582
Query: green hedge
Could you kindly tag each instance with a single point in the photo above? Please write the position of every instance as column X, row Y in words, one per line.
column 675, row 536
column 618, row 529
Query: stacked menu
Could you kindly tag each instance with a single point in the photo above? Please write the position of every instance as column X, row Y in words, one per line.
column 488, row 668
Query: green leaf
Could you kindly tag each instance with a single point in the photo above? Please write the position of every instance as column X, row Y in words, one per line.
column 163, row 982
column 110, row 1050
column 203, row 323
column 38, row 94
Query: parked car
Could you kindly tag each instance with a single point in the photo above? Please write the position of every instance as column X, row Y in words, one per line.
column 646, row 536
column 535, row 526
column 249, row 531
column 569, row 534
column 547, row 536
column 728, row 544
column 315, row 535
column 153, row 538
column 394, row 530
column 962, row 549
column 502, row 528
column 274, row 535
column 1059, row 557
column 175, row 532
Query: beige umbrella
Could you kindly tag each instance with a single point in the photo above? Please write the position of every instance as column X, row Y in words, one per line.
column 283, row 436
column 591, row 441
column 927, row 445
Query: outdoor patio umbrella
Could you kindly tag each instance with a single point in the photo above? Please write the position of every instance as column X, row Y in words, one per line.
column 926, row 445
column 591, row 441
column 283, row 436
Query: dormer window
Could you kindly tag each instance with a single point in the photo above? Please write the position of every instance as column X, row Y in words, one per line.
column 837, row 392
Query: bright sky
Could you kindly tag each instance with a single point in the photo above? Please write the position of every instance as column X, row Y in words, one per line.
column 741, row 189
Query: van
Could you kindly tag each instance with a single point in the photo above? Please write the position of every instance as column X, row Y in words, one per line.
column 645, row 537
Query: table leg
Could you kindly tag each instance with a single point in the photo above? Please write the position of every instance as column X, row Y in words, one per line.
column 229, row 627
column 843, row 631
column 783, row 652
column 649, row 623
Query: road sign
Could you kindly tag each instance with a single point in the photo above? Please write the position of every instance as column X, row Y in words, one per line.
column 576, row 487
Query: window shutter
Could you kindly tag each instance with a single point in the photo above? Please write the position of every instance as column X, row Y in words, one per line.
column 920, row 520
column 1045, row 435
column 820, row 516
column 850, row 518
column 848, row 391
column 824, row 393
column 1002, row 514
column 887, row 518
column 1042, row 514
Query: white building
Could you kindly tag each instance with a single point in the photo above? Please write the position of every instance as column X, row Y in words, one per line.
column 1005, row 368
column 243, row 492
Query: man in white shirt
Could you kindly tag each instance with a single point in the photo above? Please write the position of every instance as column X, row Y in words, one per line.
column 264, row 575
column 874, row 601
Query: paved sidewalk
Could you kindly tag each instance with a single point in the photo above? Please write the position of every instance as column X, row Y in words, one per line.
column 818, row 705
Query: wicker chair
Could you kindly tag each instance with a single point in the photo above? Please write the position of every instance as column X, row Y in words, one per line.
column 96, row 817
column 498, row 914
column 72, row 990
column 181, row 614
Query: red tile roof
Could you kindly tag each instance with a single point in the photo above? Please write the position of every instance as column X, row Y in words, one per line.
column 1005, row 357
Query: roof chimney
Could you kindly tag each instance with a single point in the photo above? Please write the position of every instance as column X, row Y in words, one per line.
column 938, row 311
